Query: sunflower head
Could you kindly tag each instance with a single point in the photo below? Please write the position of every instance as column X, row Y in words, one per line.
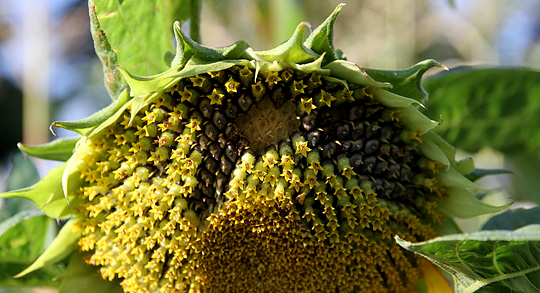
column 279, row 170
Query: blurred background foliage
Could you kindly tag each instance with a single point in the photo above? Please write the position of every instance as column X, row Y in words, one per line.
column 49, row 71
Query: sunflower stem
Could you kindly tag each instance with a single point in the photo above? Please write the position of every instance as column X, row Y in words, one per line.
column 195, row 32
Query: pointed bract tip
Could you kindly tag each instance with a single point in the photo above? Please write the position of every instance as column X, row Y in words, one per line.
column 303, row 25
column 51, row 129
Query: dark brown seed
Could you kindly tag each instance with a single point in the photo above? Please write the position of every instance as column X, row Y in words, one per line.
column 385, row 149
column 399, row 191
column 405, row 174
column 357, row 129
column 242, row 144
column 308, row 121
column 329, row 149
column 325, row 117
column 204, row 141
column 314, row 137
column 344, row 146
column 393, row 171
column 357, row 145
column 369, row 163
column 226, row 165
column 231, row 152
column 221, row 183
column 208, row 191
column 356, row 160
column 222, row 141
column 388, row 187
column 219, row 120
column 196, row 193
column 245, row 102
column 371, row 111
column 206, row 177
column 356, row 113
column 372, row 146
column 343, row 131
column 250, row 151
column 295, row 135
column 231, row 111
column 211, row 131
column 205, row 108
column 380, row 167
column 278, row 97
column 284, row 143
column 386, row 132
column 371, row 129
column 215, row 150
column 211, row 164
column 270, row 148
column 232, row 132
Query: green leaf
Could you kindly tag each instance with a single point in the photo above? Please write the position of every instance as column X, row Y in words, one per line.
column 447, row 226
column 83, row 125
column 23, row 173
column 351, row 72
column 487, row 107
column 479, row 173
column 47, row 194
column 462, row 204
column 513, row 219
column 82, row 278
column 59, row 149
column 22, row 238
column 139, row 31
column 525, row 184
column 408, row 82
column 507, row 260
column 321, row 40
column 145, row 89
column 62, row 246
column 143, row 85
column 292, row 51
column 186, row 48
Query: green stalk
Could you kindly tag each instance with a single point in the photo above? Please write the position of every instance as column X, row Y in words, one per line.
column 195, row 21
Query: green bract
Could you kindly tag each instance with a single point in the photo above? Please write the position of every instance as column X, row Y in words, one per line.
column 242, row 170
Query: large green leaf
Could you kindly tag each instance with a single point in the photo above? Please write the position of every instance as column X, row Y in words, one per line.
column 22, row 238
column 513, row 219
column 139, row 32
column 23, row 173
column 494, row 107
column 82, row 278
column 508, row 261
column 47, row 194
column 62, row 246
column 525, row 183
